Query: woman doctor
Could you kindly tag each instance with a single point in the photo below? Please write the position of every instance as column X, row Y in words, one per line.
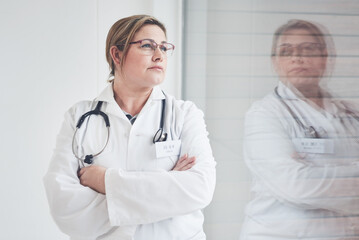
column 126, row 181
column 302, row 147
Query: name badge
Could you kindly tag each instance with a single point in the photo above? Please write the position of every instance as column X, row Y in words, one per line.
column 314, row 145
column 168, row 148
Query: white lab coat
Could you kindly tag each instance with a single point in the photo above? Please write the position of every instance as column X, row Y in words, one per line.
column 301, row 195
column 144, row 200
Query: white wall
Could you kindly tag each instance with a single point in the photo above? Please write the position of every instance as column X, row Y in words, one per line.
column 51, row 56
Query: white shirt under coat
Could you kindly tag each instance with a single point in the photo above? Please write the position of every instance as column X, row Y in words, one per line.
column 144, row 200
column 301, row 195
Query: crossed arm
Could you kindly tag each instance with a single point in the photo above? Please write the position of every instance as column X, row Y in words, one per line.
column 290, row 179
column 94, row 176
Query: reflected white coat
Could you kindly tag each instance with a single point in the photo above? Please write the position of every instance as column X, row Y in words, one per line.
column 144, row 200
column 301, row 195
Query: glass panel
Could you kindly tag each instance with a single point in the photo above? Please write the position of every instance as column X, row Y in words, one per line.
column 228, row 66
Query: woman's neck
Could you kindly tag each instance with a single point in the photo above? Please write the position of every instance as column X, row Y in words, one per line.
column 313, row 94
column 129, row 98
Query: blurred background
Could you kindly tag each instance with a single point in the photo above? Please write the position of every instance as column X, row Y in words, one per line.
column 53, row 55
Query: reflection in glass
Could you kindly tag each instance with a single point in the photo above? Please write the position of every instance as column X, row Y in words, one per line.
column 302, row 146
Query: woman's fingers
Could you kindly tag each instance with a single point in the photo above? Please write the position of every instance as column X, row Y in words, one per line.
column 184, row 163
column 189, row 165
column 81, row 171
column 181, row 162
column 93, row 177
column 184, row 157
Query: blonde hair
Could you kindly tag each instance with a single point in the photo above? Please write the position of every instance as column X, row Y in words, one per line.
column 121, row 34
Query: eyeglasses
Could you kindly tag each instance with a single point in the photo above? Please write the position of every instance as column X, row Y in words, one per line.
column 306, row 49
column 148, row 47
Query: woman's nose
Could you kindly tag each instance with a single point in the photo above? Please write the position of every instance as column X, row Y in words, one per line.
column 297, row 56
column 157, row 54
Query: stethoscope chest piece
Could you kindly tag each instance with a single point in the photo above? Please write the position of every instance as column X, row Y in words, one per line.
column 160, row 135
column 311, row 132
column 89, row 159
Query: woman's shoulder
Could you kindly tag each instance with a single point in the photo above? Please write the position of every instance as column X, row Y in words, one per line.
column 182, row 106
column 348, row 105
column 269, row 104
column 80, row 107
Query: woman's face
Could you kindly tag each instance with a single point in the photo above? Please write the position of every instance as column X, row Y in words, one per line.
column 300, row 58
column 142, row 69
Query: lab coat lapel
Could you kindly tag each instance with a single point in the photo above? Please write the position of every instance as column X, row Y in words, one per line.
column 285, row 92
column 155, row 96
column 111, row 108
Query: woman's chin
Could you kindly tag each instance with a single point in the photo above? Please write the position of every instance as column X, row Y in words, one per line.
column 155, row 82
column 305, row 80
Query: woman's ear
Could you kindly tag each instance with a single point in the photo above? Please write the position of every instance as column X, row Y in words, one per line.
column 116, row 55
column 274, row 61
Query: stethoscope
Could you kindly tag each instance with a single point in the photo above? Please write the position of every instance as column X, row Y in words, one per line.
column 309, row 132
column 160, row 135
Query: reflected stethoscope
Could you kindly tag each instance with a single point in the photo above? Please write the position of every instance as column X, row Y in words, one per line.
column 160, row 135
column 309, row 132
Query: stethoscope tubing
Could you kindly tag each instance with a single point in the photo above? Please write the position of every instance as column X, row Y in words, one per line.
column 89, row 157
column 96, row 111
column 309, row 131
column 159, row 136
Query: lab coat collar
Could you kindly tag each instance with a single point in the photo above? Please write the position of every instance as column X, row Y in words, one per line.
column 330, row 105
column 291, row 93
column 285, row 92
column 157, row 94
column 107, row 95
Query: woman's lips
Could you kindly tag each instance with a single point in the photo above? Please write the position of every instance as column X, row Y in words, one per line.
column 158, row 68
column 298, row 69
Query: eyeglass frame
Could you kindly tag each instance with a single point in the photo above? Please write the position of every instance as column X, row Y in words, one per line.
column 153, row 44
column 321, row 48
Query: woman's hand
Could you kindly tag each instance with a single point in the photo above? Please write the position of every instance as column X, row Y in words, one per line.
column 184, row 163
column 93, row 177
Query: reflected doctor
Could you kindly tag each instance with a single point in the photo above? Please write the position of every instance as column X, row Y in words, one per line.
column 302, row 146
column 124, row 181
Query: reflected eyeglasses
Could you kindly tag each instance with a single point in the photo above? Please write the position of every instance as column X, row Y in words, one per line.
column 306, row 49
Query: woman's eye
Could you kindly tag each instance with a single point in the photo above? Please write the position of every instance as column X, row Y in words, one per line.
column 309, row 48
column 163, row 48
column 146, row 45
column 285, row 52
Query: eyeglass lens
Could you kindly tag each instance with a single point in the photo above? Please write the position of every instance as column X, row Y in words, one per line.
column 303, row 49
column 149, row 46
